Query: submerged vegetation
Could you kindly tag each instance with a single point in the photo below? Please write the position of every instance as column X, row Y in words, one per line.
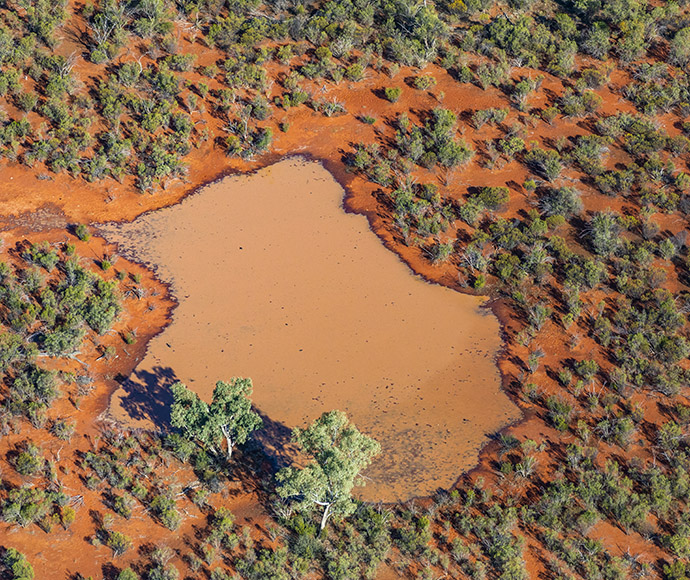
column 565, row 198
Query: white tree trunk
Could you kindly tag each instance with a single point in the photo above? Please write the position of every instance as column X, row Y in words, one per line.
column 326, row 515
column 228, row 439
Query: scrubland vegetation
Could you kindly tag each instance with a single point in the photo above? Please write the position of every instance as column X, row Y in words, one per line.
column 565, row 199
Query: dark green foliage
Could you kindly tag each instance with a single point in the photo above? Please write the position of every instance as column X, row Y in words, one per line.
column 615, row 182
column 123, row 505
column 604, row 230
column 492, row 198
column 639, row 135
column 491, row 116
column 267, row 565
column 118, row 543
column 42, row 255
column 34, row 384
column 77, row 296
column 435, row 142
column 229, row 418
column 680, row 47
column 180, row 446
column 587, row 369
column 82, row 233
column 17, row 565
column 12, row 347
column 127, row 574
column 544, row 162
column 110, row 470
column 414, row 538
column 102, row 307
column 29, row 460
column 63, row 429
column 563, row 201
column 164, row 508
column 164, row 572
column 424, row 83
column 338, row 453
column 27, row 505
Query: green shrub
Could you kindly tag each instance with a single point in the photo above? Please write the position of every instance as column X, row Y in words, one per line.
column 29, row 461
column 546, row 163
column 67, row 516
column 393, row 93
column 354, row 72
column 492, row 198
column 164, row 508
column 564, row 201
column 17, row 564
column 26, row 505
column 122, row 505
column 127, row 574
column 63, row 429
column 118, row 543
column 587, row 369
column 424, row 82
column 679, row 52
column 82, row 233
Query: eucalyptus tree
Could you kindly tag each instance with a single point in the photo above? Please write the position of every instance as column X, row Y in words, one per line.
column 339, row 452
column 228, row 418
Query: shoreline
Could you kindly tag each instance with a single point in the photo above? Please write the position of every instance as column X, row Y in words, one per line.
column 488, row 304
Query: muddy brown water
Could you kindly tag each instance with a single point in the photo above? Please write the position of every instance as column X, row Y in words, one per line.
column 275, row 281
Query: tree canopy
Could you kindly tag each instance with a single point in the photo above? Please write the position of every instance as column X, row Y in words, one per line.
column 339, row 453
column 229, row 417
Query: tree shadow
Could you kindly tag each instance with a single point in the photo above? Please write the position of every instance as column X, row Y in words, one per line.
column 274, row 440
column 147, row 394
column 110, row 571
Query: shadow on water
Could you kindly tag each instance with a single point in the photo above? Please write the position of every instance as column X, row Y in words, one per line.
column 147, row 394
column 274, row 440
column 266, row 306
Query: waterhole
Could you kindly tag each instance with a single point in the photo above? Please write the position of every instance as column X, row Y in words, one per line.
column 277, row 282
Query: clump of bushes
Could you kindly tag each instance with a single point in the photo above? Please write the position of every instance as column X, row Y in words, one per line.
column 393, row 93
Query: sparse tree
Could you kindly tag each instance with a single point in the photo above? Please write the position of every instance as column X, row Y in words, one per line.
column 604, row 232
column 563, row 201
column 127, row 574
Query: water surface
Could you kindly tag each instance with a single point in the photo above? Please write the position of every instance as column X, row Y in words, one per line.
column 275, row 281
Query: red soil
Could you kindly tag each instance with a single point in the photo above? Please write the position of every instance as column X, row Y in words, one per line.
column 63, row 199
